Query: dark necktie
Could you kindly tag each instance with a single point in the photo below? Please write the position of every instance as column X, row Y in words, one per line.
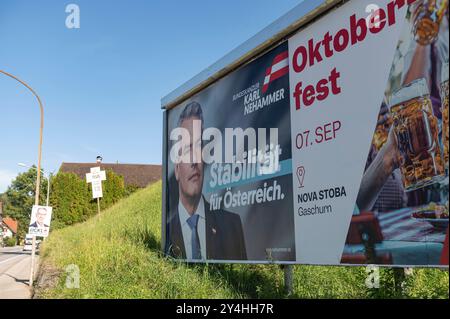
column 195, row 241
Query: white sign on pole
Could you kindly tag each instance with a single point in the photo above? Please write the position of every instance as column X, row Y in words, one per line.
column 41, row 217
column 95, row 177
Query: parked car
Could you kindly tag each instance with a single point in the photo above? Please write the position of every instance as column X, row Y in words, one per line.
column 28, row 246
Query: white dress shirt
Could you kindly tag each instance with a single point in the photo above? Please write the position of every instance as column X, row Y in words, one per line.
column 187, row 232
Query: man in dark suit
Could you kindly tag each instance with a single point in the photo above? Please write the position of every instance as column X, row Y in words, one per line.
column 194, row 232
column 41, row 214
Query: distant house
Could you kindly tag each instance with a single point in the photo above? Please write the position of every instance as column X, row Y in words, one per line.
column 9, row 227
column 138, row 175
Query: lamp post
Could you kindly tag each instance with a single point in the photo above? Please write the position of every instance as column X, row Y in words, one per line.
column 38, row 178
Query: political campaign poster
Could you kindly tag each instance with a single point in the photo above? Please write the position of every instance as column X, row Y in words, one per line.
column 41, row 217
column 240, row 186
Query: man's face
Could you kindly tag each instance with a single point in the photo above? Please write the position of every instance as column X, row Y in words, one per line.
column 40, row 216
column 190, row 175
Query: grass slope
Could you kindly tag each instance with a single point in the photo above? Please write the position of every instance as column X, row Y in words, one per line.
column 118, row 257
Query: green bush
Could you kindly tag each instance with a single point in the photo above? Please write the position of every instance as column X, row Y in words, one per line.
column 70, row 200
column 71, row 197
column 10, row 241
column 130, row 189
column 113, row 190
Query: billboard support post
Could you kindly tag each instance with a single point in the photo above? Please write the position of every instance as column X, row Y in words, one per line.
column 164, row 184
column 98, row 208
column 288, row 279
column 399, row 279
column 95, row 177
column 33, row 253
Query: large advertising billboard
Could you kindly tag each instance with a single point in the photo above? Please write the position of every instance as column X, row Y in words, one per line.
column 330, row 148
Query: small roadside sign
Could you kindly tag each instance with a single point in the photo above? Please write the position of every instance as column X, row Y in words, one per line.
column 95, row 177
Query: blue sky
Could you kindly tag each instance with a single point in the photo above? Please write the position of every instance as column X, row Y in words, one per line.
column 102, row 84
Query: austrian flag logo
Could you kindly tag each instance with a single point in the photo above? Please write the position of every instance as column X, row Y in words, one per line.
column 279, row 68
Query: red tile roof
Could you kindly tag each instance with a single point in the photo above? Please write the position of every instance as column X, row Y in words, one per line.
column 139, row 175
column 11, row 224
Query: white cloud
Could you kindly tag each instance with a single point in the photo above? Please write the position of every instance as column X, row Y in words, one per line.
column 5, row 179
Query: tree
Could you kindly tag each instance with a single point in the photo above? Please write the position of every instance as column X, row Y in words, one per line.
column 70, row 197
column 20, row 196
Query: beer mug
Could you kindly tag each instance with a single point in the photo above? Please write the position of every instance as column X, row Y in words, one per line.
column 428, row 20
column 382, row 131
column 444, row 109
column 416, row 131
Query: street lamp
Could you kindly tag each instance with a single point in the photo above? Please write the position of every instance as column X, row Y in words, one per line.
column 38, row 178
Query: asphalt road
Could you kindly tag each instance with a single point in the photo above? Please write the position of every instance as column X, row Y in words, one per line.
column 14, row 273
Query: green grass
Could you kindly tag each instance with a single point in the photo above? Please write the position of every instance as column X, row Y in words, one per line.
column 118, row 256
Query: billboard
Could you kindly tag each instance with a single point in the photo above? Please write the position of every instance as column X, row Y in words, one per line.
column 330, row 148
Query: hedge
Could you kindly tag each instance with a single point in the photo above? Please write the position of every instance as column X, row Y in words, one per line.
column 71, row 197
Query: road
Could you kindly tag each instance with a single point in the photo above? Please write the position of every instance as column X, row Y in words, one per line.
column 14, row 273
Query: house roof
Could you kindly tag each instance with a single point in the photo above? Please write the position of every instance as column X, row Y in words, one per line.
column 139, row 175
column 11, row 224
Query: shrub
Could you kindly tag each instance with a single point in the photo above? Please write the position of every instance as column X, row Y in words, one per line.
column 71, row 197
column 10, row 241
column 70, row 200
column 130, row 189
column 113, row 190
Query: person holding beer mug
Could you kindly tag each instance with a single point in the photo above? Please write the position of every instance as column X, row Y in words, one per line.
column 378, row 172
column 392, row 195
column 425, row 57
